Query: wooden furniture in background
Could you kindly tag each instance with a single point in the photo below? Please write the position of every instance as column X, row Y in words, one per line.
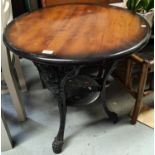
column 22, row 6
column 47, row 3
column 7, row 66
column 18, row 7
column 138, row 68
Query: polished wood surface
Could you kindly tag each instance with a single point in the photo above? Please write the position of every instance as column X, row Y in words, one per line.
column 77, row 31
column 47, row 3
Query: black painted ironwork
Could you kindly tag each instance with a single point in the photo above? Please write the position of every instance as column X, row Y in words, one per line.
column 56, row 78
column 109, row 69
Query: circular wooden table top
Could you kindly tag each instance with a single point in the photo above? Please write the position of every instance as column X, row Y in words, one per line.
column 76, row 33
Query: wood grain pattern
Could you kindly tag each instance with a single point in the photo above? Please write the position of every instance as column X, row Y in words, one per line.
column 76, row 31
column 47, row 3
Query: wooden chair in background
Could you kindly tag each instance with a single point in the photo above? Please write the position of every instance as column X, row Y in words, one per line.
column 10, row 64
column 8, row 73
column 138, row 69
column 47, row 3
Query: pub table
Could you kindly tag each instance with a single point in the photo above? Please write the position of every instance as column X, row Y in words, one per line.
column 75, row 47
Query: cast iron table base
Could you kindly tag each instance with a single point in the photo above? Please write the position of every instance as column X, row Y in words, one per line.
column 56, row 77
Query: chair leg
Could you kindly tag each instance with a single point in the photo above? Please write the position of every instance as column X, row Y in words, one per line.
column 5, row 135
column 129, row 74
column 140, row 93
column 152, row 81
column 20, row 75
column 12, row 85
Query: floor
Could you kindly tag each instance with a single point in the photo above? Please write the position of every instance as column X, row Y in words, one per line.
column 88, row 130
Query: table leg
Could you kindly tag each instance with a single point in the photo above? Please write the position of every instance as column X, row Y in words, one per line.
column 55, row 78
column 58, row 141
column 108, row 70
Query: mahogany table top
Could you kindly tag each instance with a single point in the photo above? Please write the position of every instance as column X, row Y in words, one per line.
column 76, row 32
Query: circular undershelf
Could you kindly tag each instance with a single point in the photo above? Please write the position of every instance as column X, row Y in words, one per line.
column 82, row 90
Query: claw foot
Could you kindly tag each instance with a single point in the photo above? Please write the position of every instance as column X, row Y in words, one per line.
column 57, row 145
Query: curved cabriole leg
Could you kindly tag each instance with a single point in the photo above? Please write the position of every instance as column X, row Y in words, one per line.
column 55, row 78
column 58, row 141
column 108, row 70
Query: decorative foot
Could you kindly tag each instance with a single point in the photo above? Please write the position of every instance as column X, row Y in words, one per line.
column 113, row 116
column 61, row 96
column 57, row 146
